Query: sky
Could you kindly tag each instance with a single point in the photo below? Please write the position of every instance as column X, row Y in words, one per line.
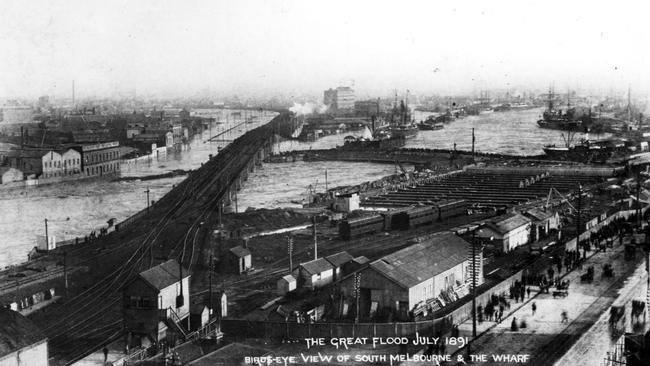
column 216, row 47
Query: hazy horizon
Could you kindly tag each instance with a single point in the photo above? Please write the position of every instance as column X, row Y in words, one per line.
column 186, row 48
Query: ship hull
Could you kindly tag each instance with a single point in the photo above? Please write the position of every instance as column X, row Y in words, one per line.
column 561, row 125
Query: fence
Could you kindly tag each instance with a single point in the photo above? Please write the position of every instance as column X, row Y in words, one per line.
column 285, row 330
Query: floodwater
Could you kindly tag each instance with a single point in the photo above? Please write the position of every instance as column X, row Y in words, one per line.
column 77, row 208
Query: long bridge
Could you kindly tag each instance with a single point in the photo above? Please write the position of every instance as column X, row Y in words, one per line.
column 90, row 316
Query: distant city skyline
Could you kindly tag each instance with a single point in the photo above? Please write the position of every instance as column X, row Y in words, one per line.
column 264, row 48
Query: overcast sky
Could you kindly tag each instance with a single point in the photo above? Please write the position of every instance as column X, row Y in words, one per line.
column 180, row 48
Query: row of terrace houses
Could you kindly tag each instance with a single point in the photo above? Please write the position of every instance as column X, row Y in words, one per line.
column 90, row 160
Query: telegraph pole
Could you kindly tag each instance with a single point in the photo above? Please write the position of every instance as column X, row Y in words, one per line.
column 638, row 203
column 210, row 279
column 147, row 192
column 313, row 220
column 65, row 272
column 357, row 291
column 290, row 250
column 578, row 228
column 325, row 181
column 474, row 284
column 47, row 239
column 473, row 140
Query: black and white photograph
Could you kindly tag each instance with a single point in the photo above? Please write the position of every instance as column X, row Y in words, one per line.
column 324, row 183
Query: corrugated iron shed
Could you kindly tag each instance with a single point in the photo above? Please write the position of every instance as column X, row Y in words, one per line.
column 420, row 262
column 339, row 259
column 319, row 265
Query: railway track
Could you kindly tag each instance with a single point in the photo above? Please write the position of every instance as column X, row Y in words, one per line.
column 90, row 319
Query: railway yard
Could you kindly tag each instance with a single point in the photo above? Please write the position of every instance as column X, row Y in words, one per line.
column 86, row 313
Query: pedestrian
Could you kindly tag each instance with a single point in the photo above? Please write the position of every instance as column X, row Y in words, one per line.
column 565, row 317
column 528, row 292
column 534, row 307
column 513, row 325
column 105, row 354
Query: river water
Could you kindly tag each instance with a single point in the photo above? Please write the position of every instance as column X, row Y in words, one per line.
column 77, row 208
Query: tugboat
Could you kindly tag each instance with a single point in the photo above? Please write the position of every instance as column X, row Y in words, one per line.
column 431, row 123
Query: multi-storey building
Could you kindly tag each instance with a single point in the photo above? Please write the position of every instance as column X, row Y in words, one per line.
column 101, row 159
column 341, row 98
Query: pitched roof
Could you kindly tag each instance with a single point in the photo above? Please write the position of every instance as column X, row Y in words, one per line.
column 164, row 274
column 240, row 251
column 289, row 278
column 317, row 266
column 17, row 332
column 339, row 259
column 419, row 262
column 361, row 260
column 539, row 215
column 507, row 223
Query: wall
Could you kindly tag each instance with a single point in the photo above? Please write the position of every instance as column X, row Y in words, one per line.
column 383, row 291
column 34, row 355
column 170, row 293
column 51, row 164
column 517, row 237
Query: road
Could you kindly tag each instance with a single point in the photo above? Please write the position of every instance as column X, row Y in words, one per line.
column 546, row 339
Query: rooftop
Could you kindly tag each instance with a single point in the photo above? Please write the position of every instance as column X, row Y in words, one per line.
column 240, row 251
column 339, row 259
column 17, row 332
column 317, row 266
column 422, row 261
column 164, row 274
column 507, row 223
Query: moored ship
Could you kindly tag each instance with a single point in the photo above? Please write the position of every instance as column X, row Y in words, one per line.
column 571, row 119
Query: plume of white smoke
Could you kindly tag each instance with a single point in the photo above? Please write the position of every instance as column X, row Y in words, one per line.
column 308, row 108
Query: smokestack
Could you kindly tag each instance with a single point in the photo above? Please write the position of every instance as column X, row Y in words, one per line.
column 73, row 105
column 22, row 137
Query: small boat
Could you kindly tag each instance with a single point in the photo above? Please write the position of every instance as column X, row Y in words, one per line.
column 428, row 126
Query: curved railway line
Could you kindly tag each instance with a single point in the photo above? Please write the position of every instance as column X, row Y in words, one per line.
column 92, row 318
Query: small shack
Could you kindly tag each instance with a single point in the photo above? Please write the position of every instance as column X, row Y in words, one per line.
column 199, row 316
column 346, row 202
column 157, row 301
column 314, row 274
column 338, row 260
column 286, row 284
column 237, row 260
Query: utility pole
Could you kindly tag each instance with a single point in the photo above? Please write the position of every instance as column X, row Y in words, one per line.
column 210, row 279
column 290, row 250
column 65, row 272
column 474, row 283
column 473, row 140
column 325, row 181
column 357, row 292
column 578, row 221
column 313, row 220
column 147, row 192
column 47, row 239
column 638, row 204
